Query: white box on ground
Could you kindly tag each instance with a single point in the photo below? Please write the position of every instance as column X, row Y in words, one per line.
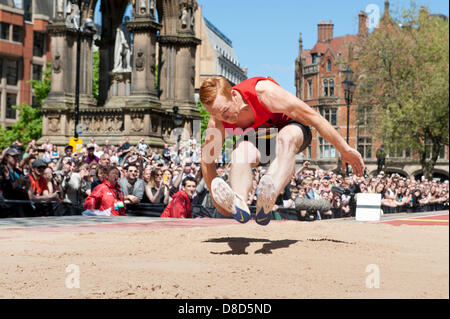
column 368, row 207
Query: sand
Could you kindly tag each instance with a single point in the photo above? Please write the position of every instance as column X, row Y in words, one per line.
column 288, row 259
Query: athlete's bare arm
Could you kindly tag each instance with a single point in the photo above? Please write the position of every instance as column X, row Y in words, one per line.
column 212, row 149
column 278, row 100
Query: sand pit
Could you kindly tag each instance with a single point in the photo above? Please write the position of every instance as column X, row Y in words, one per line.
column 326, row 259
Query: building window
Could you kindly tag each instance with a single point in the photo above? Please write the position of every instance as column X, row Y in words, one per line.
column 4, row 31
column 365, row 146
column 1, row 70
column 325, row 88
column 11, row 72
column 330, row 114
column 331, row 88
column 397, row 152
column 28, row 8
column 329, row 66
column 310, row 89
column 314, row 58
column 37, row 72
column 326, row 150
column 10, row 101
column 17, row 33
column 429, row 151
column 38, row 43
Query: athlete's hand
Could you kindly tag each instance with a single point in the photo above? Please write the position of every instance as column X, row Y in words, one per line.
column 353, row 158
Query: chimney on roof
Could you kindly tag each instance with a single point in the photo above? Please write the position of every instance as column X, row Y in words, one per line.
column 363, row 25
column 386, row 7
column 300, row 45
column 325, row 31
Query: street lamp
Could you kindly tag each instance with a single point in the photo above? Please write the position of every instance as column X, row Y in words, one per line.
column 88, row 27
column 178, row 121
column 349, row 88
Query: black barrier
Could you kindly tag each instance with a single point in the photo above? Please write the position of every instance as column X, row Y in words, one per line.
column 22, row 208
column 25, row 208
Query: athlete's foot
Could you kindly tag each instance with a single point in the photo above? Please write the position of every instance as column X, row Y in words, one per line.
column 226, row 198
column 265, row 200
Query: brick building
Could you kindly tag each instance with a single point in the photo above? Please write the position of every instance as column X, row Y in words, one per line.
column 24, row 50
column 318, row 80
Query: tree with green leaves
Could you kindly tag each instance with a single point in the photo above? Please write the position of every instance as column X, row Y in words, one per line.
column 403, row 69
column 29, row 125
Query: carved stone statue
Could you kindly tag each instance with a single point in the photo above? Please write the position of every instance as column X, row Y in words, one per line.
column 73, row 16
column 192, row 20
column 143, row 6
column 152, row 6
column 122, row 49
column 184, row 17
column 60, row 9
column 57, row 62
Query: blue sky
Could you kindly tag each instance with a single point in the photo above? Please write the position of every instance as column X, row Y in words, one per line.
column 265, row 32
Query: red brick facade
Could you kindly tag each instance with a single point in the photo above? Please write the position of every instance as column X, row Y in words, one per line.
column 17, row 42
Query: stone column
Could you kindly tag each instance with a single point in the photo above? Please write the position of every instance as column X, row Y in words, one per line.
column 143, row 88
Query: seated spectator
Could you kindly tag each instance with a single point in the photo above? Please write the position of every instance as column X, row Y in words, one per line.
column 181, row 205
column 108, row 196
column 132, row 186
column 156, row 190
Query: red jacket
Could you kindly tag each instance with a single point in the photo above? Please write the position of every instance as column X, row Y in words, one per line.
column 179, row 207
column 106, row 196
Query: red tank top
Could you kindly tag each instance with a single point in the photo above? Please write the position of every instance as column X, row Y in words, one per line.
column 263, row 117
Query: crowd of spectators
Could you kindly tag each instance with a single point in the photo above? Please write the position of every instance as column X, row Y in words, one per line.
column 114, row 179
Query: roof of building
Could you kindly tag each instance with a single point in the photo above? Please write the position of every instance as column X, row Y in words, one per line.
column 337, row 45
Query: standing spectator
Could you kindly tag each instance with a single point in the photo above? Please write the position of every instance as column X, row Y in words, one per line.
column 12, row 180
column 123, row 150
column 51, row 185
column 192, row 145
column 104, row 160
column 106, row 147
column 54, row 155
column 132, row 186
column 100, row 175
column 142, row 147
column 108, row 196
column 72, row 185
column 381, row 158
column 38, row 190
column 181, row 204
column 166, row 154
column 90, row 154
column 156, row 190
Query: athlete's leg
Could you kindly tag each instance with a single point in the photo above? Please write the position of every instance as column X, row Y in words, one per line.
column 289, row 140
column 234, row 199
column 243, row 158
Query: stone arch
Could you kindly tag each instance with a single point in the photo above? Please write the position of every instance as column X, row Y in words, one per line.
column 436, row 173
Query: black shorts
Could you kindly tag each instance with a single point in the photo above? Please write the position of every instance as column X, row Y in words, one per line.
column 265, row 140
